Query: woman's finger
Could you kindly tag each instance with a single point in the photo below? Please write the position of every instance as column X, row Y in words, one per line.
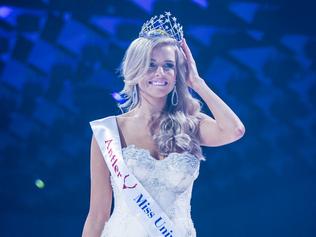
column 182, row 51
column 187, row 50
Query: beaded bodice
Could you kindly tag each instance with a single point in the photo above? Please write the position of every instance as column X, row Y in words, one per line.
column 169, row 181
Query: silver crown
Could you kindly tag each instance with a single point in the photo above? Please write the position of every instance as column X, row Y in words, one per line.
column 164, row 25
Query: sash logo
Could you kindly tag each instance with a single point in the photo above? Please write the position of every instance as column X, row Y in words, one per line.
column 125, row 186
column 115, row 167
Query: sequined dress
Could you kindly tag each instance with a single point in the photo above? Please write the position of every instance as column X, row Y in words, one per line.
column 169, row 181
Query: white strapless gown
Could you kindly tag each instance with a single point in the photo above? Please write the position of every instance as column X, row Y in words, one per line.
column 169, row 182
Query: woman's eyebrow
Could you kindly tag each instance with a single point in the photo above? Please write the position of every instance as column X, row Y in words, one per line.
column 169, row 61
column 166, row 61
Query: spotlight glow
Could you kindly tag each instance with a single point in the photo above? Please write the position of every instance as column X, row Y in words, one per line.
column 117, row 97
column 39, row 184
column 5, row 11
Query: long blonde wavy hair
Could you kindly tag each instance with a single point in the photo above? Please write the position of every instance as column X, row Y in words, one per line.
column 176, row 129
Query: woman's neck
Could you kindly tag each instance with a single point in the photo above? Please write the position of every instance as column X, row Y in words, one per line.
column 147, row 109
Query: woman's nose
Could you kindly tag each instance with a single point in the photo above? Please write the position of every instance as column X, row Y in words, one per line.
column 159, row 71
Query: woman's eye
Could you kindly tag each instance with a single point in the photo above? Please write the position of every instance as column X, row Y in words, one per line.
column 168, row 66
column 152, row 66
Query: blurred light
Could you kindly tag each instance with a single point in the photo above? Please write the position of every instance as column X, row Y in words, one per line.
column 117, row 97
column 39, row 183
column 5, row 12
column 246, row 11
column 67, row 16
column 147, row 5
column 202, row 3
column 257, row 35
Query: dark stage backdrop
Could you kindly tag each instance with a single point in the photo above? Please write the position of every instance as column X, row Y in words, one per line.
column 58, row 62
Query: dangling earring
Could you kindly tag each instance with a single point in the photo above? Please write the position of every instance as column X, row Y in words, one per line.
column 174, row 96
column 134, row 97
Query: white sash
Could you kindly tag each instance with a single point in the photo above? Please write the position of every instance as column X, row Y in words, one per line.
column 140, row 202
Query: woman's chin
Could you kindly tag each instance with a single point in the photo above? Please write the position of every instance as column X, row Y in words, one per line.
column 158, row 92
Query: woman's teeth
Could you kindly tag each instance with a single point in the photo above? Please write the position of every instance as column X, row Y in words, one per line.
column 158, row 83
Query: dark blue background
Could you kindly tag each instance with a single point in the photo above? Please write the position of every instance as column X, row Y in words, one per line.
column 58, row 62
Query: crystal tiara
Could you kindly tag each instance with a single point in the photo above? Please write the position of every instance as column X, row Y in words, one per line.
column 164, row 25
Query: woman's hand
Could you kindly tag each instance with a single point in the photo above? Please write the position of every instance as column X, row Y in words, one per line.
column 193, row 79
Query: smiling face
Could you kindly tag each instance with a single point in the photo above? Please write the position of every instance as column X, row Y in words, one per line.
column 161, row 75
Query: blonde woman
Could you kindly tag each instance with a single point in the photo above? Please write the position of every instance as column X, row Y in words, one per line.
column 160, row 133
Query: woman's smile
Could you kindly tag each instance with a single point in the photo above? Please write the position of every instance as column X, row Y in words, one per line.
column 160, row 83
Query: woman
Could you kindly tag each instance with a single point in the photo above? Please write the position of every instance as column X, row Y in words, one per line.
column 160, row 136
